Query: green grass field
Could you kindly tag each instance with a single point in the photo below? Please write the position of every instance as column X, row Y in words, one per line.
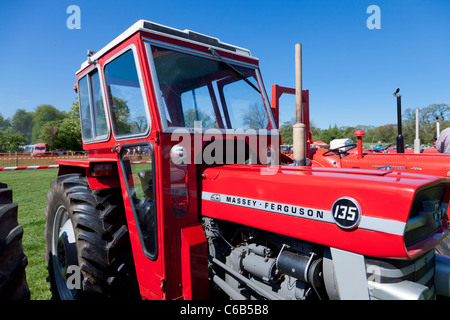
column 29, row 191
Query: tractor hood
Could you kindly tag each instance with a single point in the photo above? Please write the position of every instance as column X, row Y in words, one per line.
column 437, row 164
column 363, row 211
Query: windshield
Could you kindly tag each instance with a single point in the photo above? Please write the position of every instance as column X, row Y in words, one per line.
column 219, row 94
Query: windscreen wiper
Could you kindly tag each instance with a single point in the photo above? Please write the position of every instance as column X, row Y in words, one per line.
column 233, row 69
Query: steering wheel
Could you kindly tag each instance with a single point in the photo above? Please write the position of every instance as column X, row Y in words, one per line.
column 340, row 151
column 384, row 148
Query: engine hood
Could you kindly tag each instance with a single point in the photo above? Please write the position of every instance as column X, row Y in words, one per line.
column 437, row 164
column 363, row 211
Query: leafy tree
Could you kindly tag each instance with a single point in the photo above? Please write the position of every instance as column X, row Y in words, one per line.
column 11, row 142
column 64, row 134
column 286, row 132
column 49, row 133
column 22, row 122
column 5, row 124
column 43, row 114
column 386, row 133
column 69, row 133
column 330, row 134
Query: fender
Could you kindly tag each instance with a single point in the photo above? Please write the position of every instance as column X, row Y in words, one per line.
column 100, row 173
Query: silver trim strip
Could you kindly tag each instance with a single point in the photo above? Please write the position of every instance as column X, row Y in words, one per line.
column 367, row 223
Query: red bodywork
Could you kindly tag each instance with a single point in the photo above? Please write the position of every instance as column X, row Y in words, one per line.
column 294, row 186
column 429, row 162
column 180, row 269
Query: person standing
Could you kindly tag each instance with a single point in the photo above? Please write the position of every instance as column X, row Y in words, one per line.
column 443, row 142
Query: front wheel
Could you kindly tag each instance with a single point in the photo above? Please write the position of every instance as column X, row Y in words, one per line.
column 87, row 244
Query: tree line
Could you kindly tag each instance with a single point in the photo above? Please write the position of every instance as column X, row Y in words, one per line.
column 385, row 133
column 60, row 130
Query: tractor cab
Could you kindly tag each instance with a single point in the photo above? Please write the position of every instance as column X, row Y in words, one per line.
column 157, row 105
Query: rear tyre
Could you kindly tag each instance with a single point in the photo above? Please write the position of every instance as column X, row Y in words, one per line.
column 87, row 244
column 13, row 284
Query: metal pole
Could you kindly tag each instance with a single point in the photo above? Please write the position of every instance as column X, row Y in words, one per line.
column 417, row 140
column 438, row 129
column 400, row 138
column 298, row 83
column 299, row 139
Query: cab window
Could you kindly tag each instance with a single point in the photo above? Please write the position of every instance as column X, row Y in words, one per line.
column 125, row 97
column 92, row 107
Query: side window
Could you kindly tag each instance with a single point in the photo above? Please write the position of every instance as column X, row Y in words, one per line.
column 92, row 108
column 126, row 102
column 137, row 168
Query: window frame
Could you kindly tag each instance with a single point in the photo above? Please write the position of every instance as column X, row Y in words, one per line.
column 151, row 255
column 145, row 133
column 95, row 138
column 157, row 90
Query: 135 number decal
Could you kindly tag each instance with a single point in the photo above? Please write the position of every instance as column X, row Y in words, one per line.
column 346, row 213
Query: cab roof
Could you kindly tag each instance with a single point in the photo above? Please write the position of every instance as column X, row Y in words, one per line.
column 152, row 27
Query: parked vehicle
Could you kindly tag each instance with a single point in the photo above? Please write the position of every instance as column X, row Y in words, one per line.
column 40, row 149
column 180, row 189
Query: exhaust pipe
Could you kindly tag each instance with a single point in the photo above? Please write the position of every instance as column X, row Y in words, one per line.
column 400, row 138
column 299, row 137
column 438, row 129
column 417, row 140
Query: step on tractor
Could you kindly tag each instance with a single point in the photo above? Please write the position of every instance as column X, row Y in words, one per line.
column 182, row 195
column 13, row 283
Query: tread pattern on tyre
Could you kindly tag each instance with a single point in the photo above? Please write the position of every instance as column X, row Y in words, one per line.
column 103, row 247
column 13, row 261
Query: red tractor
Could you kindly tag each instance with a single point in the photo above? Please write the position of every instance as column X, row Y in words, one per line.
column 355, row 157
column 182, row 188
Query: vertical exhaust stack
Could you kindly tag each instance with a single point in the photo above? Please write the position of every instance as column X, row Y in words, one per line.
column 438, row 129
column 417, row 140
column 299, row 136
column 400, row 138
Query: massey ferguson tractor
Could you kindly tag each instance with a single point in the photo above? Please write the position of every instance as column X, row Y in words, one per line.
column 353, row 156
column 182, row 190
column 13, row 283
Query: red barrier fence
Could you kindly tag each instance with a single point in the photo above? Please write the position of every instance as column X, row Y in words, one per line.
column 29, row 168
column 25, row 159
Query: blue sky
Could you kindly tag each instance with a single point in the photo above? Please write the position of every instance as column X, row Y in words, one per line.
column 350, row 70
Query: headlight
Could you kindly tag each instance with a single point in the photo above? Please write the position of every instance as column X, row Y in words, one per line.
column 427, row 214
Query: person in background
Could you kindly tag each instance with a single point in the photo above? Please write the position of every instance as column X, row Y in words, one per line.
column 378, row 146
column 443, row 142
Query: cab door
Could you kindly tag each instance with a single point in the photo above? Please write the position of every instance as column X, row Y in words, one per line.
column 138, row 172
